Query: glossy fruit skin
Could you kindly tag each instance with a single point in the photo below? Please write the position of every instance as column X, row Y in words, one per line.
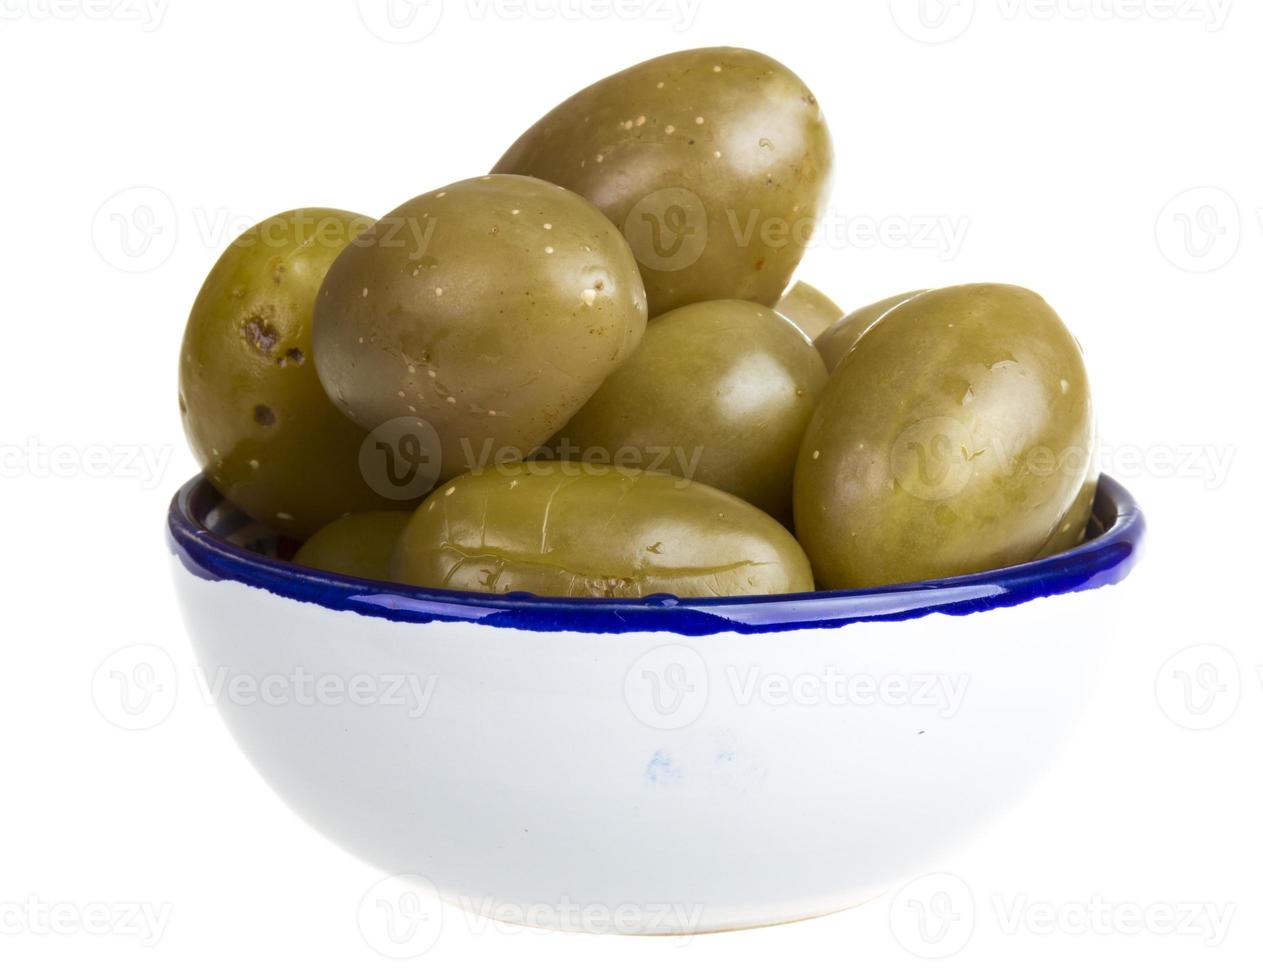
column 838, row 340
column 718, row 392
column 714, row 162
column 807, row 308
column 357, row 544
column 1072, row 531
column 953, row 438
column 566, row 529
column 255, row 414
column 493, row 308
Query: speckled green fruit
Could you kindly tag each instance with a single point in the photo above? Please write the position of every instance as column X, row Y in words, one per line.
column 836, row 342
column 714, row 162
column 717, row 392
column 1073, row 530
column 357, row 544
column 492, row 308
column 254, row 411
column 562, row 529
column 955, row 437
column 807, row 308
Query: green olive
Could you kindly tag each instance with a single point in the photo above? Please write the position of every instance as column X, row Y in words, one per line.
column 807, row 308
column 256, row 416
column 357, row 544
column 839, row 339
column 717, row 392
column 714, row 162
column 492, row 308
column 570, row 529
column 955, row 437
column 1072, row 531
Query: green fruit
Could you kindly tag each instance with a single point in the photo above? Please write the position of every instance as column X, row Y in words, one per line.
column 492, row 308
column 357, row 544
column 955, row 437
column 837, row 341
column 714, row 163
column 569, row 529
column 807, row 308
column 717, row 392
column 254, row 411
column 1072, row 531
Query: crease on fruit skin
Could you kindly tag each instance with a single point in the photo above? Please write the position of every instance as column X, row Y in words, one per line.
column 635, row 585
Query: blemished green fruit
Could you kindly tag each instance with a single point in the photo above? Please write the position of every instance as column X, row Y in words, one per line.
column 256, row 416
column 715, row 163
column 955, row 437
column 565, row 529
column 492, row 308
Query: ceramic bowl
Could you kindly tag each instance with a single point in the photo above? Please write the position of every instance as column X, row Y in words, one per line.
column 660, row 765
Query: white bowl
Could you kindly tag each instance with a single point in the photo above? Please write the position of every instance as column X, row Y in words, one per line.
column 656, row 766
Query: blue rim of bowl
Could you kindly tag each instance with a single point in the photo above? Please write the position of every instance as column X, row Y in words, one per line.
column 1103, row 560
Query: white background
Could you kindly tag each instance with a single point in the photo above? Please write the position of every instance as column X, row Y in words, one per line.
column 1104, row 152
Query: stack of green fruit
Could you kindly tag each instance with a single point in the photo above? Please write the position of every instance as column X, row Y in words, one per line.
column 583, row 374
